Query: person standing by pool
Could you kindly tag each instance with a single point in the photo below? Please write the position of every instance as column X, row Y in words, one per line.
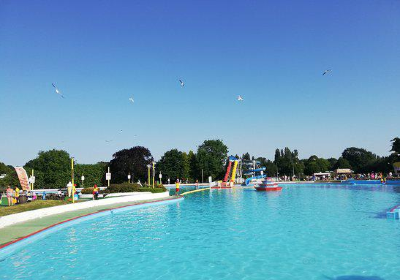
column 95, row 192
column 197, row 184
column 17, row 195
column 9, row 193
column 177, row 187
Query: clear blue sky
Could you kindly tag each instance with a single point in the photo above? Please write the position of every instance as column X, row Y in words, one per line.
column 273, row 53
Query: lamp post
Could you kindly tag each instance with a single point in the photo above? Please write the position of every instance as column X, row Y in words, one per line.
column 129, row 178
column 148, row 174
column 72, row 180
column 154, row 171
column 32, row 179
column 108, row 177
column 82, row 179
column 160, row 176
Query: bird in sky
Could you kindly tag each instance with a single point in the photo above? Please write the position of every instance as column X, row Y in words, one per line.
column 326, row 72
column 131, row 100
column 182, row 83
column 240, row 98
column 57, row 90
column 108, row 141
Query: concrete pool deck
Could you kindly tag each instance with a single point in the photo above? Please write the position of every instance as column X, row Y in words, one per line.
column 16, row 226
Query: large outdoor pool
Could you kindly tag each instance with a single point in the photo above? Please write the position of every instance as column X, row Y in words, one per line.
column 304, row 232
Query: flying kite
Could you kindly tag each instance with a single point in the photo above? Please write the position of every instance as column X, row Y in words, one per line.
column 240, row 98
column 182, row 83
column 326, row 72
column 131, row 99
column 57, row 91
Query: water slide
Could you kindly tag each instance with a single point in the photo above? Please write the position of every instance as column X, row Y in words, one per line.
column 233, row 160
column 252, row 172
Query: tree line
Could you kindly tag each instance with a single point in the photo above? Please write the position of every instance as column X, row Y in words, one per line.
column 53, row 167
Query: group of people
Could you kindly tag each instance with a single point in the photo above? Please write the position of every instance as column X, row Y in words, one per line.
column 12, row 195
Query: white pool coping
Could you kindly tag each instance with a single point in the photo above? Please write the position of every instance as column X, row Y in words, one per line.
column 45, row 212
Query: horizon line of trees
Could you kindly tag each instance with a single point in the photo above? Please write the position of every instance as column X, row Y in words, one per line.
column 53, row 170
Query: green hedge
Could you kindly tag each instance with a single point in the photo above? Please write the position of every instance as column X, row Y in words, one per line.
column 127, row 187
column 121, row 188
column 155, row 190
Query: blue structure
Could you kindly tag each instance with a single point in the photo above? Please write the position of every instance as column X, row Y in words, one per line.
column 255, row 173
column 394, row 213
column 362, row 182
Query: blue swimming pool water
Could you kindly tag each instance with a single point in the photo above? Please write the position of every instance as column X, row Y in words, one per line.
column 304, row 232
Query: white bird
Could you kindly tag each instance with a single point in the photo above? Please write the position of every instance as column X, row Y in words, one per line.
column 326, row 72
column 131, row 99
column 57, row 91
column 182, row 83
column 240, row 98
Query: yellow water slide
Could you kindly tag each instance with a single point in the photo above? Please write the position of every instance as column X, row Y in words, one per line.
column 234, row 171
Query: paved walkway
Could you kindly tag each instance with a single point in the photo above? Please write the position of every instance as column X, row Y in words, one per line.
column 13, row 232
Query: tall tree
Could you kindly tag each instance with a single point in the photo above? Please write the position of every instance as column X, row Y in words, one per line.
column 171, row 165
column 130, row 161
column 10, row 179
column 52, row 169
column 211, row 157
column 359, row 158
column 246, row 156
column 93, row 173
column 193, row 166
column 185, row 166
column 395, row 145
column 342, row 163
column 315, row 164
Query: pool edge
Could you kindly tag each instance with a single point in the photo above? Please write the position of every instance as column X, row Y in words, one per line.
column 8, row 245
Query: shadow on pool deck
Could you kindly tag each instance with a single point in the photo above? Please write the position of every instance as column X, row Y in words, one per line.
column 355, row 277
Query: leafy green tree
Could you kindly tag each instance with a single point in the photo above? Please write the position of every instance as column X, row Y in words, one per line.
column 287, row 161
column 332, row 163
column 211, row 158
column 277, row 155
column 185, row 166
column 94, row 174
column 4, row 169
column 52, row 169
column 193, row 166
column 395, row 145
column 315, row 164
column 359, row 158
column 130, row 161
column 10, row 179
column 246, row 156
column 342, row 163
column 171, row 165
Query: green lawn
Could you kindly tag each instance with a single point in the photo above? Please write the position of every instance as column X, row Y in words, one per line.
column 5, row 210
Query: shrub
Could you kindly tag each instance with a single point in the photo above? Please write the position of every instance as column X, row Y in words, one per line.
column 155, row 190
column 87, row 191
column 121, row 188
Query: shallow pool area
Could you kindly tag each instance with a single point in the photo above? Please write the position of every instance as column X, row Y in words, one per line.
column 303, row 232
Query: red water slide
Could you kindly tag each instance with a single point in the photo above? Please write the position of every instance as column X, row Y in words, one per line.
column 228, row 171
